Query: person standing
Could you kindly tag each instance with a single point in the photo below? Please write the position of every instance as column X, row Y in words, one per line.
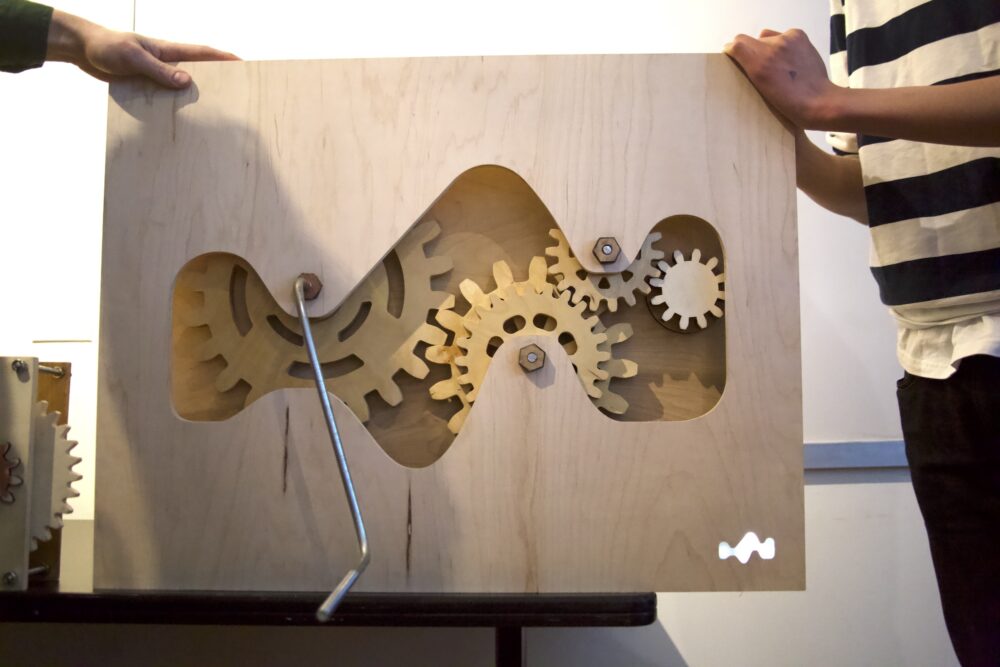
column 913, row 115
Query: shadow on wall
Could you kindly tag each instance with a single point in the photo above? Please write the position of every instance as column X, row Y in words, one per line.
column 649, row 646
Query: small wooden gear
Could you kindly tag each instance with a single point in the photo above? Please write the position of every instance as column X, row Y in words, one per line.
column 603, row 289
column 689, row 289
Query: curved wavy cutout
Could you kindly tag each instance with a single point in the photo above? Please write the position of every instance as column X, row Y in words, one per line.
column 410, row 346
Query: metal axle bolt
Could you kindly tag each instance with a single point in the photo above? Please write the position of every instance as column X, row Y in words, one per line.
column 606, row 250
column 531, row 357
column 10, row 578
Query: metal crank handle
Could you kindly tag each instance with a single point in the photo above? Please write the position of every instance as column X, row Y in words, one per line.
column 307, row 286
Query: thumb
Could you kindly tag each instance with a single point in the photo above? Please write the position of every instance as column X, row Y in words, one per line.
column 164, row 74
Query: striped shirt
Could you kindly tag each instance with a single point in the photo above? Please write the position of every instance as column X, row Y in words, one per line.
column 933, row 210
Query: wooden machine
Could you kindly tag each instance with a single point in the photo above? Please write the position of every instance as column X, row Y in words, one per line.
column 558, row 323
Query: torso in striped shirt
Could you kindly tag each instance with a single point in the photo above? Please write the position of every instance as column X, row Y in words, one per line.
column 934, row 210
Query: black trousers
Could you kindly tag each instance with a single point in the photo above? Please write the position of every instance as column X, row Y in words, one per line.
column 952, row 433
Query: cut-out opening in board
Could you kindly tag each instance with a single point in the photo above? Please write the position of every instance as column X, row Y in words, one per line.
column 388, row 346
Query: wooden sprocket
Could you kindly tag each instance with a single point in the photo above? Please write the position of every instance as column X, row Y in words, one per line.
column 458, row 327
column 609, row 401
column 689, row 289
column 361, row 345
column 599, row 289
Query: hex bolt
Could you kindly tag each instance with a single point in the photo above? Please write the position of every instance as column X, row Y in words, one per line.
column 312, row 285
column 531, row 357
column 606, row 250
column 19, row 366
column 10, row 578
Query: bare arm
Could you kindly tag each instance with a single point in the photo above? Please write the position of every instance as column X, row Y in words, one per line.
column 107, row 55
column 832, row 181
column 790, row 74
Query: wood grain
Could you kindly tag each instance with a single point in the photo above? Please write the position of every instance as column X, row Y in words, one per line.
column 322, row 167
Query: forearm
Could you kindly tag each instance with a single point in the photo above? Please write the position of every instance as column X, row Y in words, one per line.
column 962, row 114
column 67, row 34
column 832, row 181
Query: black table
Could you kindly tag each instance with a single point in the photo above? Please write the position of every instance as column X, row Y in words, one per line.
column 507, row 613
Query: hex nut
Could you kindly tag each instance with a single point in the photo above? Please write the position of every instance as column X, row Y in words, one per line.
column 311, row 286
column 606, row 250
column 531, row 358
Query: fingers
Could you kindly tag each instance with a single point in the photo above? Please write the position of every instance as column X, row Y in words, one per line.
column 767, row 32
column 165, row 74
column 174, row 52
column 740, row 48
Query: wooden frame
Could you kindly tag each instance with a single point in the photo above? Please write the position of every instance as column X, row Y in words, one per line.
column 323, row 167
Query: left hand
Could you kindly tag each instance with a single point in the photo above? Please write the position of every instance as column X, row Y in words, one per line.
column 108, row 55
column 790, row 75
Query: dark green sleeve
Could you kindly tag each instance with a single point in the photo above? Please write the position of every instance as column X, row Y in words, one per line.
column 24, row 34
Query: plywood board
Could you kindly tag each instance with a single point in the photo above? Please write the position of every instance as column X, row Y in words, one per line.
column 323, row 167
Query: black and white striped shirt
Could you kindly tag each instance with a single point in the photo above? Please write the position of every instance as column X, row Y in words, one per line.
column 933, row 210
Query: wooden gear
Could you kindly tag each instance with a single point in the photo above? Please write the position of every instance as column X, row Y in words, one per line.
column 689, row 289
column 363, row 344
column 332, row 167
column 52, row 487
column 597, row 290
column 522, row 309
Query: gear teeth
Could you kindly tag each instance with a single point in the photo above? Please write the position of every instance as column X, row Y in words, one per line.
column 473, row 293
column 588, row 289
column 50, row 496
column 415, row 366
column 391, row 393
column 438, row 265
column 445, row 389
column 228, row 378
column 450, row 320
column 692, row 277
column 502, row 275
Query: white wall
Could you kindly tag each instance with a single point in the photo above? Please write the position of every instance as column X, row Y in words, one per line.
column 871, row 597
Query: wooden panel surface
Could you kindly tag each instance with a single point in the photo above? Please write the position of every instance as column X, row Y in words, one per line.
column 323, row 167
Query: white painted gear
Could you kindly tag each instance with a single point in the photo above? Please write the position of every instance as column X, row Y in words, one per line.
column 52, row 474
column 603, row 289
column 458, row 328
column 9, row 480
column 372, row 342
column 689, row 289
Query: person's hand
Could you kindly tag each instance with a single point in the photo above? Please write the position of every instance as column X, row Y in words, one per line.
column 108, row 55
column 790, row 75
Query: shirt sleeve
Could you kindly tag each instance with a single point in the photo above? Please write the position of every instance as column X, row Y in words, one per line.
column 24, row 34
column 843, row 142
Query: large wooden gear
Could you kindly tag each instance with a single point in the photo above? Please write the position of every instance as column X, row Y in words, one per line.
column 362, row 345
column 531, row 307
column 458, row 327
